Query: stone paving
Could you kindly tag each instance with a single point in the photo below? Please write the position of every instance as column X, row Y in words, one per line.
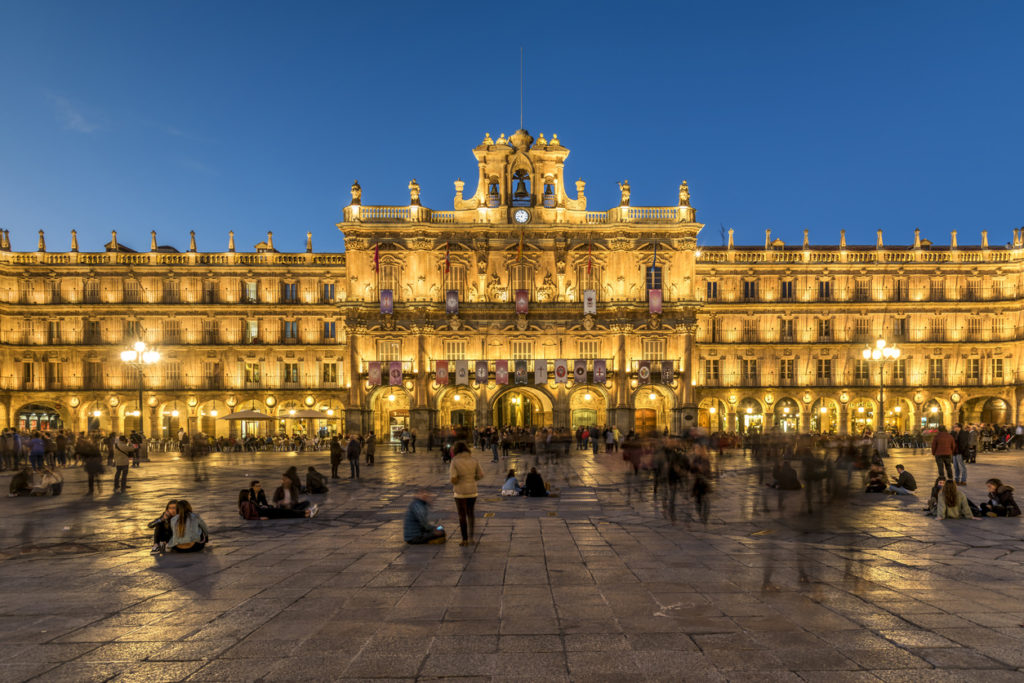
column 595, row 584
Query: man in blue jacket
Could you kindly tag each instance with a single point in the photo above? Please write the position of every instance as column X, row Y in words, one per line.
column 417, row 527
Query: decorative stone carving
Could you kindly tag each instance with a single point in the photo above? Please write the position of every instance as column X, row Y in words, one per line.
column 357, row 193
column 588, row 322
column 521, row 322
column 546, row 292
column 624, row 189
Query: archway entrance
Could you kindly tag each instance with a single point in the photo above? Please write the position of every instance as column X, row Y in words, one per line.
column 897, row 415
column 173, row 416
column 931, row 416
column 995, row 411
column 36, row 416
column 862, row 415
column 651, row 406
column 516, row 408
column 787, row 415
column 457, row 408
column 587, row 408
column 712, row 415
column 824, row 417
column 390, row 413
column 750, row 416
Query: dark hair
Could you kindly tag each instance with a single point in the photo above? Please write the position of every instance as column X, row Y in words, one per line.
column 169, row 504
column 243, row 496
column 460, row 447
column 995, row 482
column 184, row 512
column 949, row 492
column 900, row 467
column 252, row 484
column 942, row 428
column 511, row 473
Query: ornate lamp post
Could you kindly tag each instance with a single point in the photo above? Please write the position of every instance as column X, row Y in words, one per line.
column 882, row 353
column 139, row 356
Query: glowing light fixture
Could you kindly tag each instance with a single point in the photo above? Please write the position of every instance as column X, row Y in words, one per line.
column 587, row 396
column 652, row 396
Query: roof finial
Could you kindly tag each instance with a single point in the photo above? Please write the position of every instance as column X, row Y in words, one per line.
column 984, row 239
column 917, row 238
column 767, row 239
column 231, row 240
column 806, row 241
column 192, row 240
column 878, row 240
column 521, row 99
column 113, row 240
column 842, row 239
column 42, row 242
column 152, row 240
column 309, row 243
column 270, row 241
column 74, row 240
column 952, row 240
column 730, row 238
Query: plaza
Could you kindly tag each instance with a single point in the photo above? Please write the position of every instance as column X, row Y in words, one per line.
column 594, row 584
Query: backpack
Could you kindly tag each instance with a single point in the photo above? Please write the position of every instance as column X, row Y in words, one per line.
column 247, row 509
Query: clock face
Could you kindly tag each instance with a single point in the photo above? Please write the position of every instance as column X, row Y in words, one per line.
column 521, row 216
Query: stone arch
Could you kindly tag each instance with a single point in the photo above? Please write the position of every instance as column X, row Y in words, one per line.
column 713, row 414
column 899, row 414
column 652, row 408
column 786, row 414
column 208, row 418
column 537, row 410
column 457, row 406
column 171, row 415
column 390, row 415
column 986, row 409
column 825, row 415
column 588, row 405
column 43, row 411
column 863, row 414
column 750, row 413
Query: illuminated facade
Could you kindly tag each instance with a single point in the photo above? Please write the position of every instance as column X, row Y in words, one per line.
column 726, row 337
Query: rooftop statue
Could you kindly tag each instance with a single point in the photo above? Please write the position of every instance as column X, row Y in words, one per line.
column 357, row 192
column 414, row 192
column 684, row 194
column 624, row 188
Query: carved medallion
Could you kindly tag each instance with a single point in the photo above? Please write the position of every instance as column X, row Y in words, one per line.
column 521, row 322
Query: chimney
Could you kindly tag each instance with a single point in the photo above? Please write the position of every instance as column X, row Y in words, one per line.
column 42, row 242
column 231, row 240
column 152, row 240
column 74, row 240
column 917, row 238
column 842, row 239
column 192, row 240
column 309, row 243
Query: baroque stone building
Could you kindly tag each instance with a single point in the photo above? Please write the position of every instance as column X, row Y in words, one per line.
column 518, row 306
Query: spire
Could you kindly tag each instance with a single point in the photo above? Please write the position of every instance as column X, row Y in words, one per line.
column 42, row 242
column 878, row 240
column 917, row 238
column 74, row 240
column 842, row 239
column 309, row 243
column 231, row 240
column 192, row 240
column 152, row 240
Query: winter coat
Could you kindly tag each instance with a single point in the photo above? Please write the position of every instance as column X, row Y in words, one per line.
column 1003, row 498
column 465, row 472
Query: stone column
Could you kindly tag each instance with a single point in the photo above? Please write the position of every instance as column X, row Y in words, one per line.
column 687, row 362
column 561, row 417
column 484, row 417
column 844, row 423
column 421, row 414
column 731, row 421
column 805, row 420
column 619, row 412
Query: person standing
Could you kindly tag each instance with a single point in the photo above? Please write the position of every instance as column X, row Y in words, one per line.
column 963, row 446
column 89, row 454
column 135, row 439
column 465, row 472
column 371, row 447
column 352, row 452
column 122, row 458
column 943, row 446
column 335, row 456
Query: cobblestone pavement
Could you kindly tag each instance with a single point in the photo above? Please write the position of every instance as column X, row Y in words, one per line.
column 593, row 584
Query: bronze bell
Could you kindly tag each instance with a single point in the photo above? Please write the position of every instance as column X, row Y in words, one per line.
column 521, row 191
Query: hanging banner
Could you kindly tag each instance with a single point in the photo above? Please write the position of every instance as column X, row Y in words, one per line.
column 522, row 301
column 373, row 371
column 561, row 371
column 451, row 302
column 600, row 372
column 590, row 302
column 540, row 372
column 644, row 372
column 387, row 302
column 441, row 372
column 668, row 373
column 395, row 373
column 579, row 372
column 481, row 372
column 654, row 300
column 520, row 372
column 462, row 372
column 501, row 372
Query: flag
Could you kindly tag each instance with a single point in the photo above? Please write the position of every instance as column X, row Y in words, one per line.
column 522, row 301
column 644, row 372
column 481, row 372
column 376, row 257
column 447, row 259
column 520, row 372
column 561, row 371
column 590, row 302
column 462, row 372
column 373, row 373
column 441, row 372
column 501, row 372
column 668, row 373
column 395, row 373
column 387, row 302
column 451, row 301
column 540, row 372
column 579, row 372
column 654, row 300
column 600, row 372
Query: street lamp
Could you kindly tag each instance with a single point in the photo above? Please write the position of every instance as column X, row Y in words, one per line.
column 882, row 353
column 139, row 356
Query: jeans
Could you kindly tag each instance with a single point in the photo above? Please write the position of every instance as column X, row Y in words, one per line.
column 899, row 490
column 944, row 461
column 467, row 519
column 959, row 468
column 120, row 477
column 354, row 468
column 36, row 461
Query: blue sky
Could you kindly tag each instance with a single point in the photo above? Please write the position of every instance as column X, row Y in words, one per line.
column 257, row 116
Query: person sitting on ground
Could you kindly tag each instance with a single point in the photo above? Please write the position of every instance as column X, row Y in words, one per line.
column 534, row 485
column 188, row 530
column 876, row 478
column 257, row 495
column 785, row 477
column 47, row 482
column 161, row 527
column 952, row 503
column 933, row 497
column 417, row 527
column 511, row 486
column 293, row 474
column 21, row 483
column 905, row 482
column 286, row 497
column 315, row 482
column 250, row 507
column 1000, row 500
